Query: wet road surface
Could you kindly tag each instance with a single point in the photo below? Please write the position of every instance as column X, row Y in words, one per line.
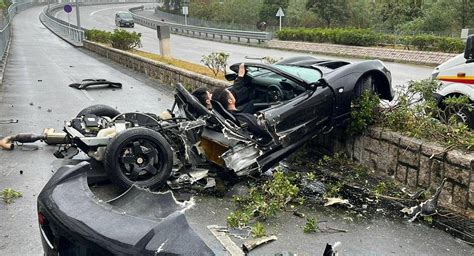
column 36, row 93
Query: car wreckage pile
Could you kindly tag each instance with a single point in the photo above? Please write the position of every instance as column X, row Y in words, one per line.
column 295, row 100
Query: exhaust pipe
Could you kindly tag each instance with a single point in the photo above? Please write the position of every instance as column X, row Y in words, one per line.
column 49, row 136
column 6, row 143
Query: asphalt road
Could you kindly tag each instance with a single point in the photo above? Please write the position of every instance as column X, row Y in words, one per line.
column 36, row 93
column 192, row 49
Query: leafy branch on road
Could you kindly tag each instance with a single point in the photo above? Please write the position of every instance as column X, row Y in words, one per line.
column 9, row 195
column 264, row 201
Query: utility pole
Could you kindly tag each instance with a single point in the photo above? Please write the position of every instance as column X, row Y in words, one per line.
column 77, row 14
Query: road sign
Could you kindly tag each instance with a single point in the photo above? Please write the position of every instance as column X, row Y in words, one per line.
column 280, row 12
column 68, row 8
column 185, row 13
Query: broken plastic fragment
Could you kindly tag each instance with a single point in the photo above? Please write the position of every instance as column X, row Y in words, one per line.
column 337, row 200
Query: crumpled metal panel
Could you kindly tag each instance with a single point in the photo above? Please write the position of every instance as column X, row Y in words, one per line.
column 242, row 158
column 138, row 222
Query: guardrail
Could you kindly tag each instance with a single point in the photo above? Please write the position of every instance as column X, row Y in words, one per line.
column 6, row 31
column 70, row 32
column 63, row 29
column 200, row 31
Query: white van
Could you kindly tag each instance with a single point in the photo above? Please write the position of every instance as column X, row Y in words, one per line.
column 457, row 78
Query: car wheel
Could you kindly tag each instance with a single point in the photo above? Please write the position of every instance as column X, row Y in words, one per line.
column 99, row 110
column 465, row 116
column 138, row 156
column 366, row 83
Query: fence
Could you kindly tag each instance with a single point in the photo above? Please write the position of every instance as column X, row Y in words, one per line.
column 197, row 31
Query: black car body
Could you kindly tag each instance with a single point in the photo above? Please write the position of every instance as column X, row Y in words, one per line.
column 124, row 19
column 293, row 101
column 74, row 222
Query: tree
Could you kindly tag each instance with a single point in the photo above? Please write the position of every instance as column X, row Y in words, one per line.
column 269, row 9
column 331, row 11
column 172, row 6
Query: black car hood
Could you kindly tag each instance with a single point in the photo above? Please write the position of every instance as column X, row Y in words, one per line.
column 139, row 222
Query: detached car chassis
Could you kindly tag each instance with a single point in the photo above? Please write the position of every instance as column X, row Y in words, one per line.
column 293, row 100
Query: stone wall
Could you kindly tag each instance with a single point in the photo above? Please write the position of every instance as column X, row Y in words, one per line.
column 166, row 74
column 418, row 164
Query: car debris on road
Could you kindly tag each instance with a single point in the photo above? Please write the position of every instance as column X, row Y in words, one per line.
column 86, row 83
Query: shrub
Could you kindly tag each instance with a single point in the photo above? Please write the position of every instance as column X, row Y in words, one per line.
column 124, row 40
column 423, row 42
column 367, row 37
column 453, row 45
column 216, row 62
column 99, row 36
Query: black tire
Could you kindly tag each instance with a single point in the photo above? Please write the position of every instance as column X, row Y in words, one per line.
column 99, row 110
column 138, row 156
column 366, row 83
column 466, row 116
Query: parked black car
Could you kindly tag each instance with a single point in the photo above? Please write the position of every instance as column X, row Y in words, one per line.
column 124, row 19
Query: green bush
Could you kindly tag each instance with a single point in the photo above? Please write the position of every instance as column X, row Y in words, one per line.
column 99, row 36
column 367, row 37
column 360, row 37
column 454, row 45
column 121, row 39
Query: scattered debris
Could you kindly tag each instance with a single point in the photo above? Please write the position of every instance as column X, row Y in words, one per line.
column 249, row 245
column 90, row 82
column 8, row 121
column 9, row 195
column 426, row 208
column 298, row 214
column 330, row 250
column 6, row 143
column 337, row 200
column 313, row 188
column 225, row 240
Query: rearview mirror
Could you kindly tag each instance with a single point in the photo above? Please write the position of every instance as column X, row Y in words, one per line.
column 469, row 51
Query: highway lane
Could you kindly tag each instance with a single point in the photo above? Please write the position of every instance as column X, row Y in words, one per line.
column 192, row 49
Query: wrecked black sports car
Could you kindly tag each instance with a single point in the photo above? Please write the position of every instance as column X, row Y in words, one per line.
column 293, row 100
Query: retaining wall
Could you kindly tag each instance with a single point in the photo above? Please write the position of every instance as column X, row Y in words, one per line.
column 418, row 164
column 166, row 74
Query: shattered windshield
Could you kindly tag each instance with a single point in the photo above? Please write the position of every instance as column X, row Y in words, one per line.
column 309, row 75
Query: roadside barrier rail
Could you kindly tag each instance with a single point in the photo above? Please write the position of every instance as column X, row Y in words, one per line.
column 69, row 31
column 200, row 31
column 5, row 30
column 65, row 30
